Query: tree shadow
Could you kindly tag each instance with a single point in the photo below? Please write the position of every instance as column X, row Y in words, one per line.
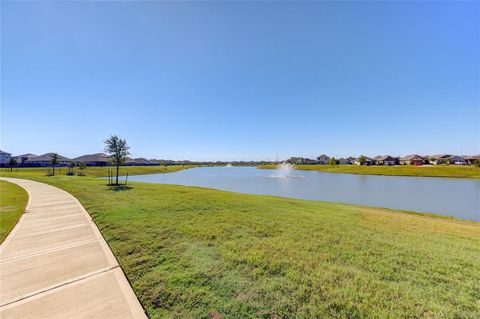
column 119, row 188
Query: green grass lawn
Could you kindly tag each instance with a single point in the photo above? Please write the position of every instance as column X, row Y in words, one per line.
column 457, row 171
column 190, row 252
column 95, row 171
column 13, row 200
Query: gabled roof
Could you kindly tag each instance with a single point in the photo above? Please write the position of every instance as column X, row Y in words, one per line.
column 411, row 156
column 441, row 156
column 46, row 158
column 383, row 157
column 139, row 160
column 2, row 152
column 27, row 155
column 142, row 160
column 99, row 157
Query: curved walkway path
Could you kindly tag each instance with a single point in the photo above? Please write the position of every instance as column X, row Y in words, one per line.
column 56, row 264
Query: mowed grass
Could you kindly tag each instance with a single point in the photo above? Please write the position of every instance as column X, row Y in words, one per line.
column 13, row 200
column 96, row 171
column 456, row 171
column 190, row 252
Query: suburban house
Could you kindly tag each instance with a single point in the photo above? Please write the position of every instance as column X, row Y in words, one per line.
column 413, row 159
column 99, row 159
column 447, row 159
column 457, row 160
column 471, row 160
column 163, row 162
column 385, row 160
column 342, row 161
column 295, row 160
column 45, row 159
column 138, row 162
column 309, row 161
column 4, row 158
column 21, row 159
column 301, row 161
column 323, row 159
column 351, row 160
column 368, row 161
column 439, row 159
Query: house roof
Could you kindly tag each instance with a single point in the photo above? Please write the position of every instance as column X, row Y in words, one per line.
column 445, row 157
column 441, row 156
column 27, row 155
column 383, row 157
column 139, row 160
column 366, row 158
column 473, row 157
column 46, row 158
column 143, row 160
column 2, row 152
column 99, row 157
column 411, row 156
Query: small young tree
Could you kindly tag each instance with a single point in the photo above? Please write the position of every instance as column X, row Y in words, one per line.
column 118, row 151
column 332, row 161
column 362, row 159
column 54, row 160
column 71, row 167
column 12, row 163
column 81, row 167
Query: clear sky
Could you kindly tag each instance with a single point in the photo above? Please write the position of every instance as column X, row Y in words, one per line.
column 233, row 80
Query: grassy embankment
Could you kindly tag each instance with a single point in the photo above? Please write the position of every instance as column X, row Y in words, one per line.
column 190, row 251
column 13, row 200
column 457, row 171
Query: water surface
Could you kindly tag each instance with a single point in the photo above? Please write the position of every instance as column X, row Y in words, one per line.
column 444, row 196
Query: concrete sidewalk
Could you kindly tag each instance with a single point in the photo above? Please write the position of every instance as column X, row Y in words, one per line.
column 56, row 264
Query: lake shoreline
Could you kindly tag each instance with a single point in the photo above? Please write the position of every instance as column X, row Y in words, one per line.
column 438, row 196
column 445, row 171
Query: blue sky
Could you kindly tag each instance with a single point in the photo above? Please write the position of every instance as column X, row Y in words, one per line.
column 232, row 80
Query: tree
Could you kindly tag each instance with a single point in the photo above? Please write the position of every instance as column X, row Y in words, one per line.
column 82, row 167
column 362, row 159
column 332, row 161
column 71, row 167
column 118, row 151
column 54, row 161
column 12, row 163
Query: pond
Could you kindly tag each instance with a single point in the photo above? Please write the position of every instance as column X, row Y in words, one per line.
column 443, row 196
